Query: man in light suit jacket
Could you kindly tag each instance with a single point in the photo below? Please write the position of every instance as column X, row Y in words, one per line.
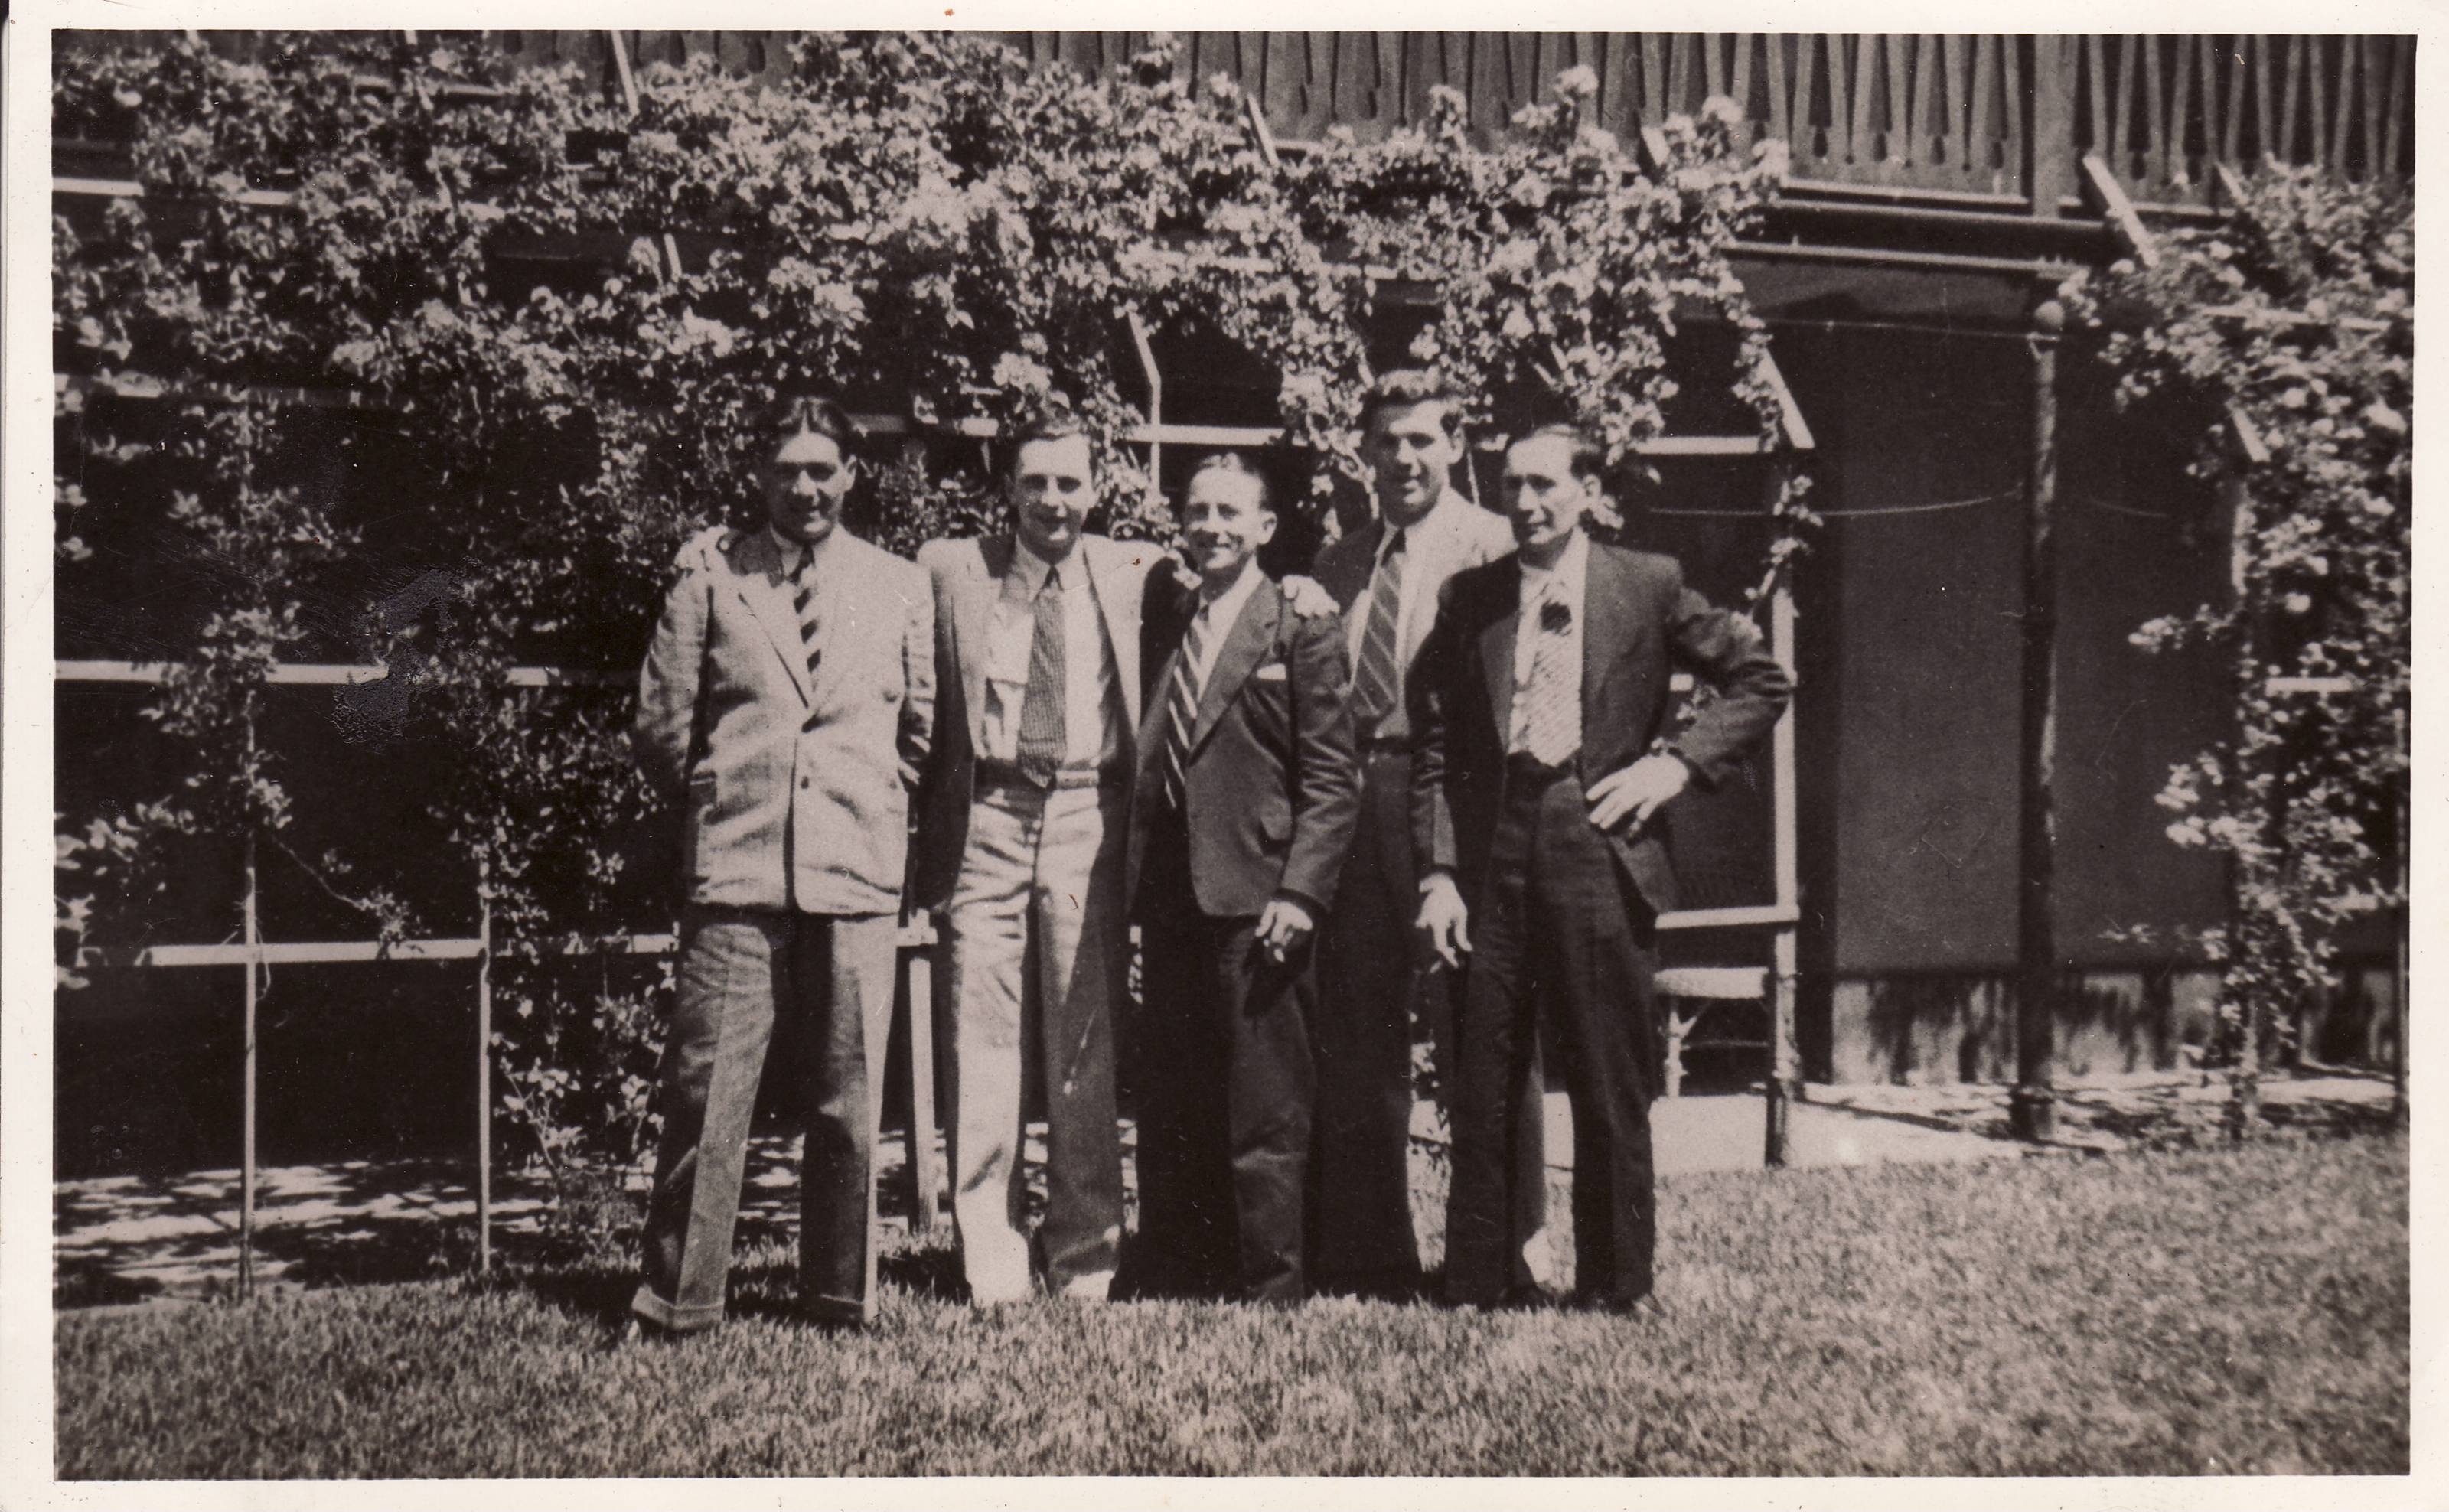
column 1545, row 752
column 1385, row 578
column 787, row 702
column 1021, row 843
column 1240, row 816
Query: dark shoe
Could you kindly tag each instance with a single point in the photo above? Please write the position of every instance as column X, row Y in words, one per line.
column 1617, row 1305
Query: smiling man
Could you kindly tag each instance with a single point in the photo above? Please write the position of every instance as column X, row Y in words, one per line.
column 1385, row 577
column 1545, row 756
column 1038, row 659
column 1240, row 817
column 787, row 704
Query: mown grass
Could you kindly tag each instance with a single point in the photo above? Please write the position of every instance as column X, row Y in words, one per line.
column 2211, row 1313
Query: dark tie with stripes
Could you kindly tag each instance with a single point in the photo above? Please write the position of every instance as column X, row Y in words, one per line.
column 803, row 599
column 1041, row 746
column 1378, row 676
column 1182, row 704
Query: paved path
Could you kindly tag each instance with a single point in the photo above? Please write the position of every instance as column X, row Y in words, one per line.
column 133, row 1238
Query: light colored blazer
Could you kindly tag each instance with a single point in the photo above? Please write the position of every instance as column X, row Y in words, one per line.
column 796, row 787
column 967, row 577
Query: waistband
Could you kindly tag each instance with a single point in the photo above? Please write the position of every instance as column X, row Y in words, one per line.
column 1523, row 772
column 1006, row 776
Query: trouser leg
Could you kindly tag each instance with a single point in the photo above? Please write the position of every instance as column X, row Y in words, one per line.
column 844, row 970
column 1600, row 955
column 1263, row 1006
column 1360, row 1216
column 713, row 1057
column 1075, row 917
column 1494, row 1063
column 1185, row 1203
column 986, row 947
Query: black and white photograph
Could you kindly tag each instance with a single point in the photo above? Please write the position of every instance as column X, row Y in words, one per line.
column 777, row 758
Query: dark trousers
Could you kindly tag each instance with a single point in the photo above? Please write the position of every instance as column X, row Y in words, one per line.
column 1360, row 1210
column 737, row 966
column 1224, row 1091
column 1555, row 927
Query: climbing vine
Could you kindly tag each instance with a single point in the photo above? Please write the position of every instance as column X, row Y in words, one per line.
column 537, row 322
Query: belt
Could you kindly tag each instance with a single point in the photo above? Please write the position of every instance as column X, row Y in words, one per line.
column 1007, row 776
column 1521, row 768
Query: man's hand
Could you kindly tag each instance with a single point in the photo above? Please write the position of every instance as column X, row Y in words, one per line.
column 1283, row 928
column 1309, row 599
column 1635, row 791
column 1444, row 919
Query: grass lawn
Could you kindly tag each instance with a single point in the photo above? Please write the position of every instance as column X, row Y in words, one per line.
column 2212, row 1312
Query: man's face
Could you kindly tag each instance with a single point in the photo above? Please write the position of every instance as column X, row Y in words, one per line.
column 1543, row 498
column 1050, row 494
column 1411, row 457
column 804, row 483
column 1224, row 524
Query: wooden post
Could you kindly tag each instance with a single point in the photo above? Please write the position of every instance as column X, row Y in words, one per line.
column 2031, row 1107
column 483, row 1065
column 246, row 1143
column 2244, row 1111
column 1784, row 1086
column 924, row 1177
column 2398, row 1110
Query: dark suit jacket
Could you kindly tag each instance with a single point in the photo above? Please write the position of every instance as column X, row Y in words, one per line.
column 967, row 577
column 1639, row 622
column 1272, row 788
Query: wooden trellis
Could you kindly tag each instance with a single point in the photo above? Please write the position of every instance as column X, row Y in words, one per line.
column 1773, row 984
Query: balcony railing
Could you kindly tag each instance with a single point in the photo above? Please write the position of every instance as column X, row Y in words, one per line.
column 1999, row 121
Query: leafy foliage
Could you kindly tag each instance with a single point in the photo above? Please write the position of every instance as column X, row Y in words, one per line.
column 910, row 221
column 2296, row 319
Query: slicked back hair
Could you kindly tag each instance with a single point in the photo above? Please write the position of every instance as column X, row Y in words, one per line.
column 1588, row 460
column 1401, row 388
column 1234, row 462
column 814, row 414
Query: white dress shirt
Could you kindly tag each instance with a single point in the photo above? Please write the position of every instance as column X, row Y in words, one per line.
column 1454, row 535
column 1566, row 581
column 1220, row 614
column 1091, row 735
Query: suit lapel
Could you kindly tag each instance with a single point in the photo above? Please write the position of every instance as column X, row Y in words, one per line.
column 768, row 595
column 1246, row 645
column 1353, row 564
column 844, row 606
column 1609, row 621
column 1496, row 648
column 973, row 603
column 1118, row 606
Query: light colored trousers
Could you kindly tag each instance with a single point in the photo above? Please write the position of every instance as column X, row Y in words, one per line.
column 1035, row 963
column 739, row 967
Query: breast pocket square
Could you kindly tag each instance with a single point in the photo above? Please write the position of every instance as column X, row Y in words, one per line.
column 1272, row 672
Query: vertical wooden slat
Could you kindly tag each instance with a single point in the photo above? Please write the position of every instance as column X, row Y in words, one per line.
column 1423, row 67
column 1547, row 61
column 2154, row 152
column 2374, row 69
column 1386, row 88
column 2343, row 118
column 2051, row 132
column 1288, row 88
column 1740, row 84
column 2175, row 169
column 1773, row 61
column 1899, row 98
column 484, row 1067
column 1954, row 94
column 246, row 1081
column 1860, row 83
column 2316, row 96
column 1654, row 105
column 1924, row 55
column 1803, row 133
column 1487, row 80
column 1981, row 121
column 1526, row 80
column 1457, row 75
column 2095, row 54
column 2010, row 99
column 1711, row 72
column 1784, row 1086
column 2401, row 101
column 2231, row 59
column 2281, row 146
column 1619, row 90
column 1354, row 102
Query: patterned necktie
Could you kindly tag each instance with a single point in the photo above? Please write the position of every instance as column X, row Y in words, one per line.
column 1376, row 677
column 1182, row 707
column 1550, row 716
column 803, row 599
column 1042, row 742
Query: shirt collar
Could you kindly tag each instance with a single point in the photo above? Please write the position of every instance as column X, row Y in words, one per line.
column 788, row 552
column 1032, row 568
column 1443, row 518
column 1566, row 573
column 1226, row 606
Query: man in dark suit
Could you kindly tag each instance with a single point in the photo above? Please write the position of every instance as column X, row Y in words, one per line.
column 787, row 702
column 1544, row 754
column 1241, row 813
column 1386, row 576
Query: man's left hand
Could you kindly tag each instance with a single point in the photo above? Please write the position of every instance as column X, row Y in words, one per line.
column 1283, row 928
column 1309, row 599
column 1635, row 791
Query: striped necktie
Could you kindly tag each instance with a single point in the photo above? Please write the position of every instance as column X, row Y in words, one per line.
column 804, row 600
column 1378, row 676
column 1042, row 741
column 1182, row 707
